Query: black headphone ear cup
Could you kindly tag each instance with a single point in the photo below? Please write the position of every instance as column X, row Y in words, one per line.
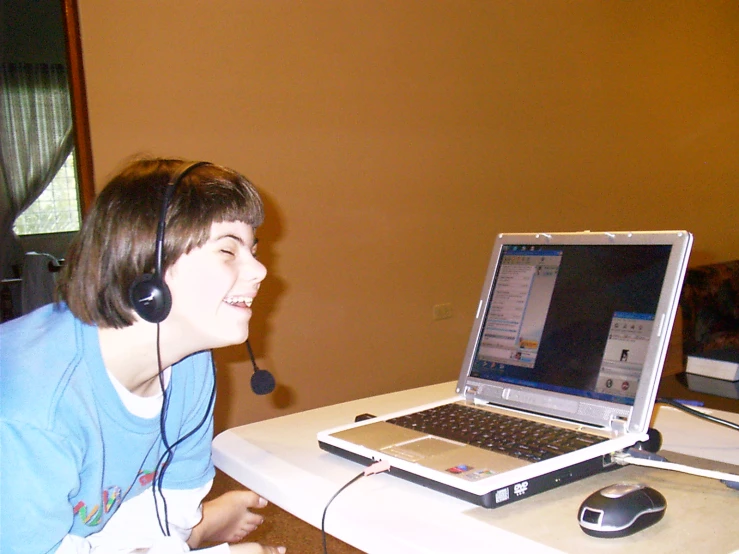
column 150, row 298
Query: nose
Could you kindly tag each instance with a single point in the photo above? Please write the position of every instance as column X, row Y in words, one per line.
column 254, row 270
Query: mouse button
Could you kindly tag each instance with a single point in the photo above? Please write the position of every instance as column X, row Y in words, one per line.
column 657, row 499
column 620, row 489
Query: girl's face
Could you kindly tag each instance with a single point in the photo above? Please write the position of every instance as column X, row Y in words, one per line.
column 213, row 288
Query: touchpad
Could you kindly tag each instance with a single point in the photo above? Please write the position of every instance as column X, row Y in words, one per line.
column 421, row 448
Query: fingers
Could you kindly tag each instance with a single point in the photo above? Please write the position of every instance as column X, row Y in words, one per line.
column 255, row 548
column 228, row 518
column 248, row 499
column 251, row 521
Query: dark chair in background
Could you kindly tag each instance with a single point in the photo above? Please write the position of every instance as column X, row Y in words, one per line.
column 710, row 308
column 32, row 288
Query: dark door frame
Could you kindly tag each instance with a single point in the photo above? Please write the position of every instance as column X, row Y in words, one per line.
column 76, row 74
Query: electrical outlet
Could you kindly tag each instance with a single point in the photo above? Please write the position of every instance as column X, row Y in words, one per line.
column 442, row 311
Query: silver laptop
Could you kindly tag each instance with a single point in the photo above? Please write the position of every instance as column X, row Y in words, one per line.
column 564, row 360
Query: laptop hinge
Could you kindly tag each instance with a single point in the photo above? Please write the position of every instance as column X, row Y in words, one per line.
column 618, row 424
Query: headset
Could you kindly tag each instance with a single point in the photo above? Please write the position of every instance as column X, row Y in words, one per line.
column 149, row 294
column 151, row 299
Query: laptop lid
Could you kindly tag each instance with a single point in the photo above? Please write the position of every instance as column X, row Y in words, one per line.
column 576, row 325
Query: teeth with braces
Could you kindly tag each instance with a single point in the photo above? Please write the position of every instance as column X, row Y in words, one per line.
column 240, row 300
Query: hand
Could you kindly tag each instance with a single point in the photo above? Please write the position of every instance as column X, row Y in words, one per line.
column 255, row 548
column 228, row 519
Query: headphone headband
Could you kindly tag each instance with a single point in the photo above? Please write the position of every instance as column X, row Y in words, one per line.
column 169, row 191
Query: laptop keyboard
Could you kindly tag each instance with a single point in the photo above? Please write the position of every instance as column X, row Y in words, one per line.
column 528, row 440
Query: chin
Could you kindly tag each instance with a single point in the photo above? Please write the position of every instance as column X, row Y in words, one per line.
column 224, row 339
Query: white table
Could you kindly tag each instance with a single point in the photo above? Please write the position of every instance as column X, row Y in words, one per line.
column 280, row 459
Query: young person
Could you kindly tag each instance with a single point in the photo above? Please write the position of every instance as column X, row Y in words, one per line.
column 106, row 397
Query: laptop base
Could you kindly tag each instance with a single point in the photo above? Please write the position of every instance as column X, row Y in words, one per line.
column 499, row 497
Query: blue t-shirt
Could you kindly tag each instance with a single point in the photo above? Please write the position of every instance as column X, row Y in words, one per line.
column 70, row 452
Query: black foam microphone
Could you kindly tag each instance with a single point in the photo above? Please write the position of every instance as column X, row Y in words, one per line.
column 262, row 381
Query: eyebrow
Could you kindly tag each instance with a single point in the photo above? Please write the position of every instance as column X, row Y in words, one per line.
column 236, row 238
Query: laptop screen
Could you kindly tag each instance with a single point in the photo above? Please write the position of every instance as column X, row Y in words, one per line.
column 574, row 319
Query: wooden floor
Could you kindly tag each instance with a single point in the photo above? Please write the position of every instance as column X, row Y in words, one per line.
column 283, row 529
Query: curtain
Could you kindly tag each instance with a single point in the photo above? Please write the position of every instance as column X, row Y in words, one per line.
column 36, row 137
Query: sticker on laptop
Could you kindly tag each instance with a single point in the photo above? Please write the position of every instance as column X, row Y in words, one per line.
column 478, row 474
column 461, row 468
column 469, row 472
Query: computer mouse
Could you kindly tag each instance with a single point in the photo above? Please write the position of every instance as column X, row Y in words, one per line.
column 620, row 510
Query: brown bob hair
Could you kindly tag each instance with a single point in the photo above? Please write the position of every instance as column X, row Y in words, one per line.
column 117, row 242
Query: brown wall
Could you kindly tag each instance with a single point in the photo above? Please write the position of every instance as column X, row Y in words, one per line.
column 393, row 139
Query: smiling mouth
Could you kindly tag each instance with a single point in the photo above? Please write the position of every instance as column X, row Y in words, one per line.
column 239, row 301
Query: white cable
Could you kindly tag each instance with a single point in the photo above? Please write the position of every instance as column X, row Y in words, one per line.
column 622, row 459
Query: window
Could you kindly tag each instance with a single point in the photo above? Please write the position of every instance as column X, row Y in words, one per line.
column 57, row 210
